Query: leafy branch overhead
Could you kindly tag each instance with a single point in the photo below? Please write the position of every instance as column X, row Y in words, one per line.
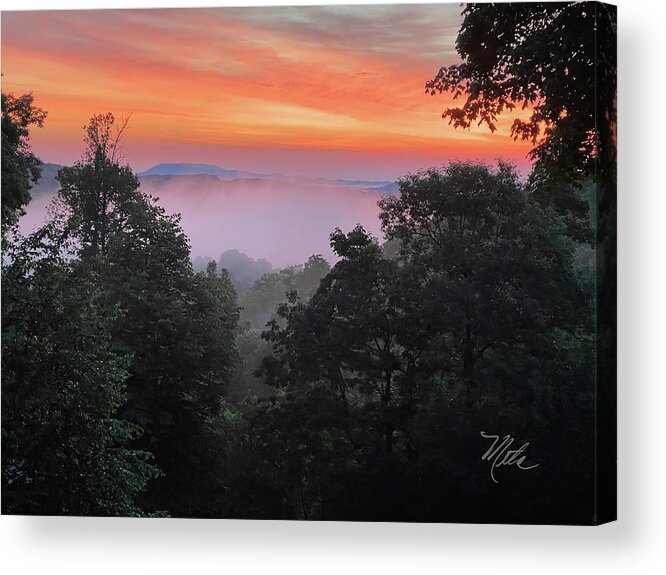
column 541, row 56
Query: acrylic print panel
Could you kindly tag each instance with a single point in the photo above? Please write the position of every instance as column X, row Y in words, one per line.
column 325, row 263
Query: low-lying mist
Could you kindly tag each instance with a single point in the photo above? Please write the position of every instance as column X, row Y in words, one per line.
column 282, row 221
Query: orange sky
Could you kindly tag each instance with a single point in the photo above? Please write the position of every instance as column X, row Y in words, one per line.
column 330, row 91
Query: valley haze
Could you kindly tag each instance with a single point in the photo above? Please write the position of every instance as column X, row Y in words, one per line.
column 284, row 219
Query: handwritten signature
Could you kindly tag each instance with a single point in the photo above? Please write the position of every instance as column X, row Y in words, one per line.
column 499, row 454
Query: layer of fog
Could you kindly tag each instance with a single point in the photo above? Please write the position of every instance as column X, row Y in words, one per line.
column 283, row 222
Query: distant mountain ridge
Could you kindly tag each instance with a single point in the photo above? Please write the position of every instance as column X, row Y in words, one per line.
column 187, row 169
column 226, row 174
column 165, row 171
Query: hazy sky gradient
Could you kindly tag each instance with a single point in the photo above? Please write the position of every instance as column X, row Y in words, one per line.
column 324, row 91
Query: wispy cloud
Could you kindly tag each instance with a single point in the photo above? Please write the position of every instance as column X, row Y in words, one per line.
column 338, row 77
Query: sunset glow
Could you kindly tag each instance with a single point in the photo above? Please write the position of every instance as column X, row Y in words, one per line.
column 326, row 91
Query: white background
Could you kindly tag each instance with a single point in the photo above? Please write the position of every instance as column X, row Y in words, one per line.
column 634, row 544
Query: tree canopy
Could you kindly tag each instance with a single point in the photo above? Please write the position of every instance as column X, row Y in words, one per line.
column 481, row 319
column 20, row 167
column 556, row 58
column 105, row 321
column 64, row 447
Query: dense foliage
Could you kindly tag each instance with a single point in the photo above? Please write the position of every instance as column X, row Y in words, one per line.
column 556, row 58
column 64, row 448
column 387, row 374
column 20, row 167
column 558, row 61
column 105, row 321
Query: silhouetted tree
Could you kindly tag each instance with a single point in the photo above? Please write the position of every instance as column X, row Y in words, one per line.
column 97, row 190
column 20, row 167
column 558, row 59
column 178, row 327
